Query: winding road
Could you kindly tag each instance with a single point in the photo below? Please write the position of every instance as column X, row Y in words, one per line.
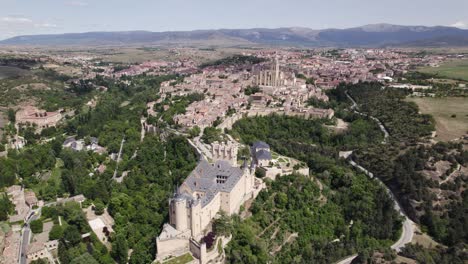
column 382, row 127
column 408, row 225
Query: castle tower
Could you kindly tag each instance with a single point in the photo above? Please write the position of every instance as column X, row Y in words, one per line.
column 248, row 174
column 196, row 219
column 180, row 209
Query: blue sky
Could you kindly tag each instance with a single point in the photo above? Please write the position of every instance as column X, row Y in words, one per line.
column 20, row 17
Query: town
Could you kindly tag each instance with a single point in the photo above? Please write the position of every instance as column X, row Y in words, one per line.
column 203, row 102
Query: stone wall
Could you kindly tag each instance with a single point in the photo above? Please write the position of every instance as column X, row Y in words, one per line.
column 171, row 247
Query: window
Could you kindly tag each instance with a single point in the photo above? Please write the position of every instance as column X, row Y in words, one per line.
column 221, row 179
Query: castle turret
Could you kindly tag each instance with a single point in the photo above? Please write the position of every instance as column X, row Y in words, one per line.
column 180, row 209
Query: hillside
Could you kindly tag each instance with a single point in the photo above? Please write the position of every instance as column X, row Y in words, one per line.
column 376, row 35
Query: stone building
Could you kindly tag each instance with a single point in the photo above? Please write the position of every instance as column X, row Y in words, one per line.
column 209, row 189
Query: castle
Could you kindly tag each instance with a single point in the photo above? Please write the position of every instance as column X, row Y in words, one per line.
column 225, row 151
column 209, row 189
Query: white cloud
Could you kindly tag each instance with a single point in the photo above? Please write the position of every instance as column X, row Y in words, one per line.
column 18, row 25
column 77, row 3
column 45, row 25
column 16, row 20
column 460, row 24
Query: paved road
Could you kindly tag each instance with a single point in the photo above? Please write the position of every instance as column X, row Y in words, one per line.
column 406, row 235
column 25, row 244
column 26, row 236
column 347, row 260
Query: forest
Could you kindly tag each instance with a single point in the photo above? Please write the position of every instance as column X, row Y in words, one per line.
column 357, row 215
column 307, row 140
column 445, row 223
column 402, row 119
column 400, row 163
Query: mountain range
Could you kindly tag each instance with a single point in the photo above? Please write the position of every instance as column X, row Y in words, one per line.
column 375, row 35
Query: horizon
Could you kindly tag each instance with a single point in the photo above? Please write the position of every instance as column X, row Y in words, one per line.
column 59, row 17
column 216, row 29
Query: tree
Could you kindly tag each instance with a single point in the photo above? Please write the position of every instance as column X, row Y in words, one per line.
column 251, row 90
column 6, row 207
column 57, row 146
column 363, row 257
column 86, row 258
column 211, row 134
column 140, row 255
column 11, row 115
column 36, row 226
column 99, row 208
column 87, row 140
column 194, row 132
column 222, row 225
column 259, row 172
column 40, row 261
column 56, row 232
column 281, row 200
column 310, row 80
column 120, row 249
column 72, row 235
column 49, row 212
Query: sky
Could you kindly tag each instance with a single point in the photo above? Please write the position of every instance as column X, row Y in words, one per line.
column 29, row 17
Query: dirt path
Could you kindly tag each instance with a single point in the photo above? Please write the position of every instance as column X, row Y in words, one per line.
column 268, row 227
column 322, row 198
column 288, row 240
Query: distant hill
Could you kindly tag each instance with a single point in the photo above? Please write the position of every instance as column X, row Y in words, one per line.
column 376, row 35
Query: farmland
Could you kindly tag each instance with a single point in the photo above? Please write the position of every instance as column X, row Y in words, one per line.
column 450, row 114
column 451, row 69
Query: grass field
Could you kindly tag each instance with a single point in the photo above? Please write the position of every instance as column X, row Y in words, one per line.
column 457, row 69
column 442, row 109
